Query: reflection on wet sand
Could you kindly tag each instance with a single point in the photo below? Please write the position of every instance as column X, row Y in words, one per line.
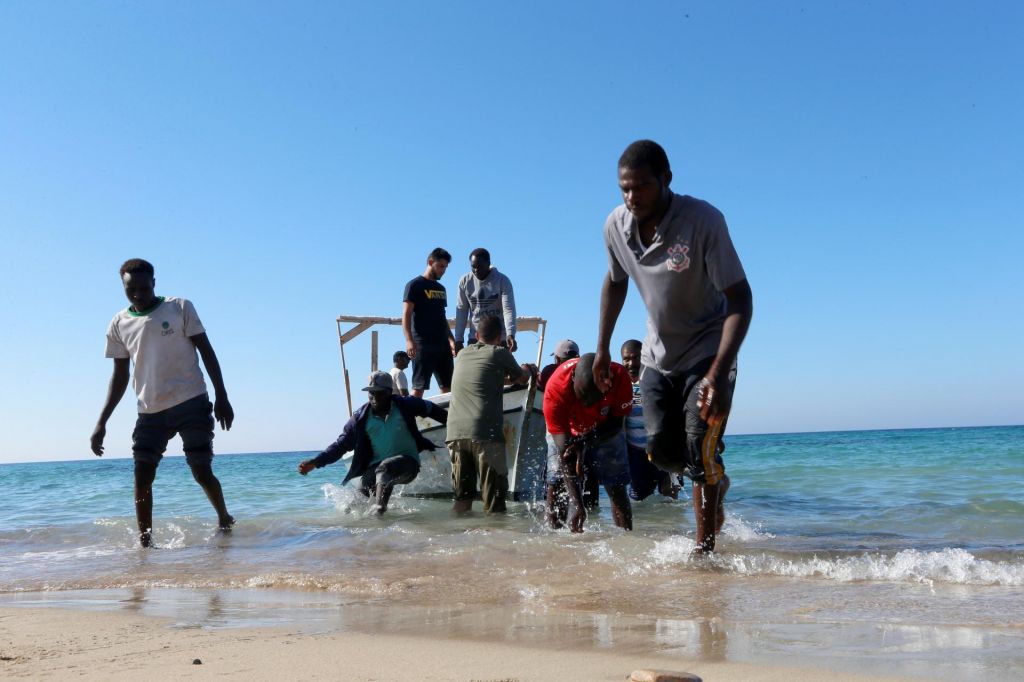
column 702, row 633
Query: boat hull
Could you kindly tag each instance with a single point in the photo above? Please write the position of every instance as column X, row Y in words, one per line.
column 525, row 449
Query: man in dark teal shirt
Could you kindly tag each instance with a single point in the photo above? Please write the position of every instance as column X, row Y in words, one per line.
column 385, row 441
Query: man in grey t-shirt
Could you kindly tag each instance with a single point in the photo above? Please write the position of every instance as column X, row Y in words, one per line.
column 678, row 251
column 475, row 436
column 485, row 292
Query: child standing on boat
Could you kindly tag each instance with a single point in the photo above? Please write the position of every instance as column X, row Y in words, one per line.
column 401, row 361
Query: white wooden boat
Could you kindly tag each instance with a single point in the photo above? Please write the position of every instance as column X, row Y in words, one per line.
column 525, row 447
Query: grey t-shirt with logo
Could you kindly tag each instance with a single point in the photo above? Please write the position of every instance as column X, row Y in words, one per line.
column 680, row 277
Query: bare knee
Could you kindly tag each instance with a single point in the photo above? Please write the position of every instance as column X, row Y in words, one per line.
column 203, row 474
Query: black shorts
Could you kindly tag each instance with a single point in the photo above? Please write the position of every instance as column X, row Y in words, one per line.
column 432, row 361
column 678, row 440
column 192, row 419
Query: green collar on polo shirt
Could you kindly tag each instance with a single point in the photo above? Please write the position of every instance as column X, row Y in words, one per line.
column 147, row 311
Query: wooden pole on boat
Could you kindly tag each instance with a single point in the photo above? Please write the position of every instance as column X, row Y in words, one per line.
column 373, row 351
column 540, row 342
column 522, row 437
column 344, row 370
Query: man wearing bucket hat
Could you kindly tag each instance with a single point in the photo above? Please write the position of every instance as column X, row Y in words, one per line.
column 385, row 441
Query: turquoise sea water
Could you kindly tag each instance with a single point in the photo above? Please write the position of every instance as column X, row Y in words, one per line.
column 904, row 548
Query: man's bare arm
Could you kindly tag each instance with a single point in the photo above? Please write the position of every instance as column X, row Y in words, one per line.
column 115, row 391
column 739, row 311
column 527, row 370
column 222, row 410
column 613, row 297
column 410, row 345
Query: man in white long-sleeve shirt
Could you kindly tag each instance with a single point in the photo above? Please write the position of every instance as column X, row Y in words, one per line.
column 485, row 292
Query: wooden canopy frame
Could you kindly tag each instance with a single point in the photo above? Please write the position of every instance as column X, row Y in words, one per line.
column 361, row 324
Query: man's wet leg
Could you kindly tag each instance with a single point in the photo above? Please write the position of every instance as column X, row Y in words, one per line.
column 622, row 510
column 557, row 504
column 384, row 482
column 463, row 476
column 706, row 503
column 591, row 490
column 145, row 474
column 381, row 496
column 203, row 474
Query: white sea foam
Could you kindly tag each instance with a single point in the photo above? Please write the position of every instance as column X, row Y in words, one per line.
column 534, row 595
column 68, row 554
column 737, row 528
column 348, row 500
column 345, row 499
column 947, row 566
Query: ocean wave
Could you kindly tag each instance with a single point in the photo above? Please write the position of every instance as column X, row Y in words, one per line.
column 951, row 566
column 737, row 528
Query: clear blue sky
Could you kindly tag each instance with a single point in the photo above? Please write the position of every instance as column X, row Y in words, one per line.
column 283, row 163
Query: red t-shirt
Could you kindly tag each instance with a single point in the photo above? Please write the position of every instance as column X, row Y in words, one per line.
column 563, row 411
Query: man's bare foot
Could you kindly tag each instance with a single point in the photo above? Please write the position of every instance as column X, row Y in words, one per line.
column 226, row 523
column 461, row 507
column 146, row 538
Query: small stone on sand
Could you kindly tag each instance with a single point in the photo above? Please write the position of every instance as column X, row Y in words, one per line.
column 196, row 661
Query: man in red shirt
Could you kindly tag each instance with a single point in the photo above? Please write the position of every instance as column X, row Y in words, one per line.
column 586, row 427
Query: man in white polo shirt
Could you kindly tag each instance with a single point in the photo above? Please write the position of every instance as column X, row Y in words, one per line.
column 160, row 336
column 678, row 251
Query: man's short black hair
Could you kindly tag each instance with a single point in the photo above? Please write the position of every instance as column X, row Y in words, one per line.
column 645, row 154
column 134, row 265
column 584, row 379
column 440, row 254
column 477, row 253
column 399, row 354
column 632, row 344
column 489, row 329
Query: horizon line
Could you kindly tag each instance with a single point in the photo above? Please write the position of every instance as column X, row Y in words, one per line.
column 779, row 433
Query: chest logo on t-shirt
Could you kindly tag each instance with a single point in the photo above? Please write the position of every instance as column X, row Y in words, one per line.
column 166, row 326
column 678, row 258
column 436, row 294
column 605, row 410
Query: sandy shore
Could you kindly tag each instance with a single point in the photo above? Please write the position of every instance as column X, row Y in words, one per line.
column 51, row 643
